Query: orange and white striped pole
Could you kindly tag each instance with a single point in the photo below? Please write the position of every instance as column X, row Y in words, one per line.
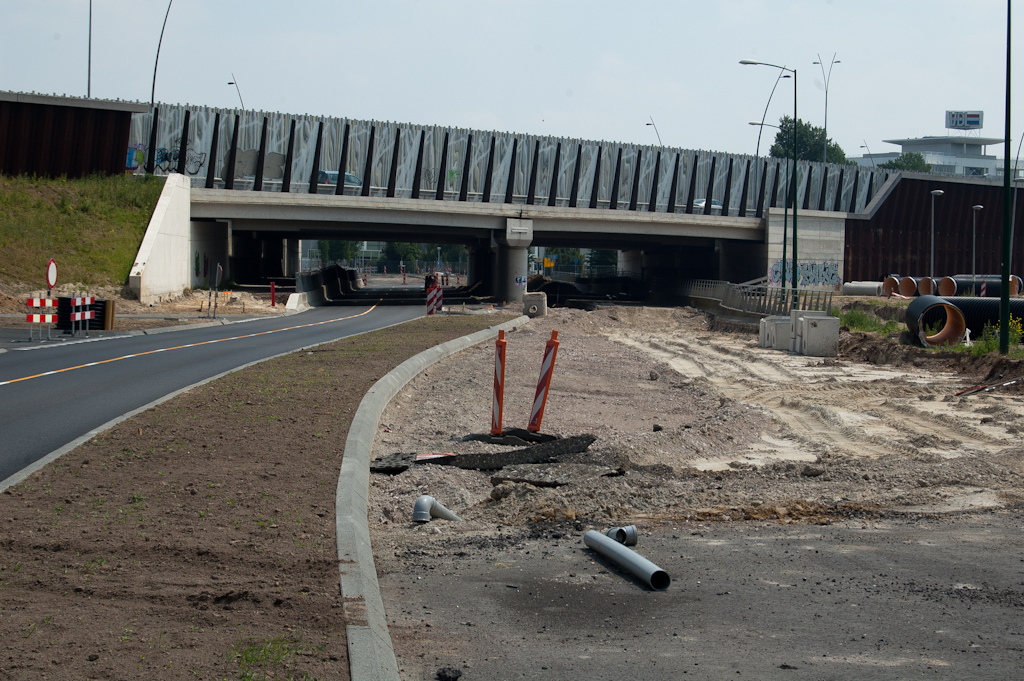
column 499, row 383
column 543, row 383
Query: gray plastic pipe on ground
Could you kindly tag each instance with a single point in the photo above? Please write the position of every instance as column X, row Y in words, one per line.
column 624, row 535
column 427, row 507
column 652, row 575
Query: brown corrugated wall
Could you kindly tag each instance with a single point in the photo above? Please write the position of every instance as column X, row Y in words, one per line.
column 50, row 140
column 898, row 238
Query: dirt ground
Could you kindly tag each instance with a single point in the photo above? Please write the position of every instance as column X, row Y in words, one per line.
column 694, row 424
column 197, row 539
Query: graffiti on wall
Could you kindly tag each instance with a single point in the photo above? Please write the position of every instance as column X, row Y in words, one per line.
column 166, row 159
column 136, row 157
column 824, row 274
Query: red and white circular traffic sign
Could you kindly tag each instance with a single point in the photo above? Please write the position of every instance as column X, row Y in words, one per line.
column 51, row 273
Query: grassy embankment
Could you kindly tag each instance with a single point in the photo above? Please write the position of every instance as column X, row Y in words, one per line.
column 91, row 226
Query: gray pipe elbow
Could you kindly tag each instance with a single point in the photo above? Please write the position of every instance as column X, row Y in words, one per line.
column 427, row 507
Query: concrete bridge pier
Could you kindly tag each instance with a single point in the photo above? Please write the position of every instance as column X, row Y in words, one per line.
column 512, row 262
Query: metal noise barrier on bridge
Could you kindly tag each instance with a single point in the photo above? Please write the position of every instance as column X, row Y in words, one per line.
column 966, row 284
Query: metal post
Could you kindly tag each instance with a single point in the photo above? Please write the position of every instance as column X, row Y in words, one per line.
column 931, row 269
column 796, row 260
column 974, row 244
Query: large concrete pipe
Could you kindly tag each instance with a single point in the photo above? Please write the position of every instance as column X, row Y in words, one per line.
column 890, row 285
column 908, row 287
column 862, row 288
column 930, row 310
column 428, row 507
column 651, row 575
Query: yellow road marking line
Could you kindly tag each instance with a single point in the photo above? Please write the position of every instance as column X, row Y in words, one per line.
column 182, row 347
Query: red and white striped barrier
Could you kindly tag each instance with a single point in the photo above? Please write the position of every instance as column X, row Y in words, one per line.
column 435, row 300
column 499, row 383
column 365, row 279
column 83, row 316
column 983, row 287
column 42, row 302
column 543, row 383
column 40, row 319
column 82, row 301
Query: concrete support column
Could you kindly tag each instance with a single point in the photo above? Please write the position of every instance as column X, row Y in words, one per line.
column 291, row 262
column 512, row 259
column 631, row 262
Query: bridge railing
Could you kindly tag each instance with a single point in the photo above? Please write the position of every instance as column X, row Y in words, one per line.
column 758, row 299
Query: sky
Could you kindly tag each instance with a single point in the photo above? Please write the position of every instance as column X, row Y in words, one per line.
column 590, row 69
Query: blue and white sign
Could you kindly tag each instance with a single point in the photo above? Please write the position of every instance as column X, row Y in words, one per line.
column 965, row 120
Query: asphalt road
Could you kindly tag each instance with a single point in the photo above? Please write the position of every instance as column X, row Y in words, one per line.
column 54, row 393
column 891, row 599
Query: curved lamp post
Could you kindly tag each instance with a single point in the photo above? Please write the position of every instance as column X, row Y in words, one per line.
column 796, row 265
column 827, row 78
column 931, row 270
column 785, row 204
column 656, row 131
column 152, row 94
column 757, row 150
column 234, row 81
column 870, row 156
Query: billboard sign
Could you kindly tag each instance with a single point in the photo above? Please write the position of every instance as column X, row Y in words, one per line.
column 965, row 120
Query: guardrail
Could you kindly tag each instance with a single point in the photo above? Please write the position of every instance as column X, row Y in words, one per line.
column 758, row 299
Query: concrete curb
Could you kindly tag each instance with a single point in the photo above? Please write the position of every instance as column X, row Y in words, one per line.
column 371, row 656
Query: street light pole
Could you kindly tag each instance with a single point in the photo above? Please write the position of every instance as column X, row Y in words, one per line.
column 656, row 131
column 827, row 78
column 785, row 206
column 974, row 244
column 757, row 150
column 870, row 156
column 88, row 80
column 931, row 270
column 796, row 262
column 152, row 94
column 234, row 81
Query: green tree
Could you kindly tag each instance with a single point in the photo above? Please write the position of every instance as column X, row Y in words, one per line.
column 912, row 161
column 564, row 257
column 401, row 250
column 602, row 258
column 336, row 251
column 809, row 142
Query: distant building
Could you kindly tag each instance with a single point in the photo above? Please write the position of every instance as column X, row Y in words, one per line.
column 959, row 153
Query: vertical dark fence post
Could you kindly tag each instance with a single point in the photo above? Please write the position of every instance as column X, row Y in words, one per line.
column 183, row 145
column 419, row 167
column 393, row 173
column 575, row 190
column 314, row 172
column 368, row 168
column 286, row 181
column 711, row 187
column 837, row 204
column 151, row 152
column 210, row 169
column 339, row 187
column 490, row 171
column 552, row 193
column 229, row 171
column 613, row 202
column 257, row 184
column 511, row 172
column 775, row 187
column 759, row 212
column 693, row 185
column 807, row 189
column 442, row 170
column 728, row 189
column 466, row 165
column 853, row 192
column 652, row 204
column 531, row 192
column 597, row 179
column 746, row 191
column 672, row 188
column 635, row 188
column 824, row 188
